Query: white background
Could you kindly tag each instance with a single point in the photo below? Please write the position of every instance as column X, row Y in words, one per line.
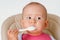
column 13, row 7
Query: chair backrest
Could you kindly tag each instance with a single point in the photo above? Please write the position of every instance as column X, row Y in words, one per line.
column 53, row 26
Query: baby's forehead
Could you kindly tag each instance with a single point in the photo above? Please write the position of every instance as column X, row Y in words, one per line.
column 33, row 8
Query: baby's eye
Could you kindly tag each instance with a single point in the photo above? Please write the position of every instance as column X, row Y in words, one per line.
column 38, row 18
column 29, row 17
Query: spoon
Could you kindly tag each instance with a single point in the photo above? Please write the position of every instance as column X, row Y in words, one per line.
column 31, row 28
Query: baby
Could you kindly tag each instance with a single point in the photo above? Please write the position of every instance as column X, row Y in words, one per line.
column 34, row 14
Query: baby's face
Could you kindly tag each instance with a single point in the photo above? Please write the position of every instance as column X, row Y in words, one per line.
column 34, row 16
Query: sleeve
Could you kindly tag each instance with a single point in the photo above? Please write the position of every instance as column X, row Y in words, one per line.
column 20, row 36
column 52, row 37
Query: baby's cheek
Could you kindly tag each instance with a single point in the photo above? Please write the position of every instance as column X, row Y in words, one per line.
column 26, row 24
column 40, row 25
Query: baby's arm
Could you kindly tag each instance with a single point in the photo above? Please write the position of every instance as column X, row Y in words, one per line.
column 12, row 34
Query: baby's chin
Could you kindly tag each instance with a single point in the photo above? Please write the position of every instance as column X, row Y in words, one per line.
column 34, row 32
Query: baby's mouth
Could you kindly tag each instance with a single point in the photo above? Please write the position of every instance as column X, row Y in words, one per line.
column 31, row 28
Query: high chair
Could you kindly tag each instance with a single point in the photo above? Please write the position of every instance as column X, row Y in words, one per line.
column 52, row 29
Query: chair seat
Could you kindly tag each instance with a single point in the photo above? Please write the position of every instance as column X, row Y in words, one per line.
column 52, row 29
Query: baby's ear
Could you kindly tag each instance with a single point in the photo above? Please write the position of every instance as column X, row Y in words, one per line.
column 46, row 23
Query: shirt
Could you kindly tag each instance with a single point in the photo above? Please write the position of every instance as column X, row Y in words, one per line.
column 42, row 36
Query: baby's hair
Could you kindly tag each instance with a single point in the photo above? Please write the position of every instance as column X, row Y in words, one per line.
column 36, row 3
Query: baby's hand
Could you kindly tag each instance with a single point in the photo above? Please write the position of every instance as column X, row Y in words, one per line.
column 12, row 34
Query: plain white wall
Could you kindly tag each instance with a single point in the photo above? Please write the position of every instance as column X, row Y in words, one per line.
column 12, row 7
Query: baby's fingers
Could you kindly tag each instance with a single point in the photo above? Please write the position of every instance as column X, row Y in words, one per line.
column 14, row 32
column 9, row 31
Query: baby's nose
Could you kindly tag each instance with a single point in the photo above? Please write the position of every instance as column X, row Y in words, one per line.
column 33, row 21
